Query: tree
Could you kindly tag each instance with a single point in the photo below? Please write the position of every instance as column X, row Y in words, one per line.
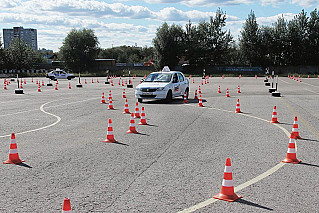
column 250, row 41
column 168, row 45
column 79, row 49
column 19, row 55
column 280, row 43
column 2, row 55
column 313, row 27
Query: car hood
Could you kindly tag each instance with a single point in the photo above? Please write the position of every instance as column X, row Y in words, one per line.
column 152, row 84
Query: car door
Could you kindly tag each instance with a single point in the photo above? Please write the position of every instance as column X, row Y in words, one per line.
column 176, row 87
column 182, row 83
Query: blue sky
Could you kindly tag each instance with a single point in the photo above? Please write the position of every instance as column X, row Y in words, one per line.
column 125, row 22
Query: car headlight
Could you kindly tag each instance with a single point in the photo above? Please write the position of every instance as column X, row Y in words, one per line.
column 160, row 88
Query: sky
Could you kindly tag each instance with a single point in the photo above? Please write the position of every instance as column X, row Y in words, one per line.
column 125, row 22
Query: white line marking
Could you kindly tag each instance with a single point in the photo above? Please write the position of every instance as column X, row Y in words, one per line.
column 248, row 183
column 33, row 130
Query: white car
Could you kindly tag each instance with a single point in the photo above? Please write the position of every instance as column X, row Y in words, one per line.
column 59, row 74
column 163, row 85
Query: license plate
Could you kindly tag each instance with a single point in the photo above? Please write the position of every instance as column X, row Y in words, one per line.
column 147, row 93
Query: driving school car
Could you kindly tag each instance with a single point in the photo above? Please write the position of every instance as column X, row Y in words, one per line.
column 59, row 74
column 164, row 85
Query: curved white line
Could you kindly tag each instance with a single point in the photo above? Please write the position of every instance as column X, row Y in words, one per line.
column 248, row 183
column 33, row 130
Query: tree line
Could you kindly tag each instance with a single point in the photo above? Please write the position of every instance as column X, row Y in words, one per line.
column 294, row 42
column 207, row 43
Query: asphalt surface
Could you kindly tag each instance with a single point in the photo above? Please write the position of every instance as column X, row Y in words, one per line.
column 175, row 163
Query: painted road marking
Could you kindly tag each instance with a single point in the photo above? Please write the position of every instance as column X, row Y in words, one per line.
column 248, row 183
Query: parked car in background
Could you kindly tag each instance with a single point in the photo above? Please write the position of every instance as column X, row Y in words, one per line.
column 59, row 74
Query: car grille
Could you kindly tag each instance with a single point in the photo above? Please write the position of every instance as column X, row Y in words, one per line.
column 148, row 96
column 148, row 89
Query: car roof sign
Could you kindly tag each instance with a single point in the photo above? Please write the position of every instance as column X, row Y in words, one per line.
column 166, row 69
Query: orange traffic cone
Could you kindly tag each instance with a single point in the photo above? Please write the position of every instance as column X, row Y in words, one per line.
column 103, row 99
column 126, row 109
column 122, row 83
column 199, row 90
column 13, row 152
column 57, row 81
column 274, row 116
column 132, row 125
column 194, row 80
column 56, row 86
column 196, row 97
column 123, row 96
column 295, row 130
column 37, row 82
column 110, row 95
column 92, row 81
column 227, row 93
column 227, row 192
column 137, row 111
column 25, row 81
column 238, row 90
column 112, row 83
column 238, row 107
column 85, row 81
column 255, row 76
column 5, row 85
column 110, row 104
column 109, row 133
column 39, row 88
column 32, row 80
column 291, row 153
column 202, row 82
column 66, row 205
column 119, row 82
column 97, row 80
column 185, row 98
column 200, row 102
column 218, row 89
column 21, row 87
column 42, row 83
column 143, row 120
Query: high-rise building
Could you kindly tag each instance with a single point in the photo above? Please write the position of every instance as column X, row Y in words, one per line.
column 29, row 36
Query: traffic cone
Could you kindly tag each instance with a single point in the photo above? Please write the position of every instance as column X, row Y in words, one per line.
column 21, row 87
column 126, row 109
column 223, row 76
column 143, row 120
column 39, row 88
column 110, row 95
column 103, row 99
column 13, row 152
column 208, row 80
column 25, row 81
column 200, row 102
column 66, row 205
column 218, row 89
column 238, row 90
column 97, row 80
column 112, row 83
column 57, row 81
column 70, row 85
column 37, row 82
column 255, row 76
column 227, row 192
column 185, row 98
column 274, row 116
column 56, row 86
column 202, row 82
column 42, row 83
column 295, row 130
column 123, row 96
column 205, row 81
column 199, row 90
column 196, row 97
column 92, row 81
column 194, row 80
column 291, row 153
column 85, row 81
column 227, row 93
column 110, row 104
column 109, row 133
column 119, row 82
column 125, row 81
column 239, row 76
column 32, row 80
column 5, row 85
column 132, row 125
column 122, row 83
column 308, row 76
column 238, row 107
column 137, row 112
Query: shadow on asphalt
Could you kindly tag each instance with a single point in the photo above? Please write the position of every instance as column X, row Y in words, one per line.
column 246, row 202
column 285, row 124
column 142, row 133
column 309, row 164
column 306, row 139
column 119, row 143
column 24, row 165
column 174, row 101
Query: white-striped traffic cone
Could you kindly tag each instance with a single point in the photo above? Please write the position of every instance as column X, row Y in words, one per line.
column 227, row 192
column 227, row 93
column 103, row 99
column 274, row 116
column 109, row 133
column 137, row 111
column 295, row 128
column 291, row 153
column 126, row 109
column 200, row 102
column 143, row 120
column 185, row 98
column 110, row 104
column 13, row 152
column 238, row 107
column 132, row 128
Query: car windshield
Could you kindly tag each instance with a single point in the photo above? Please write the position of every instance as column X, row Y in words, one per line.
column 159, row 77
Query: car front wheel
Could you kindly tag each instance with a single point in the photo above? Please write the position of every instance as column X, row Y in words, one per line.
column 140, row 100
column 169, row 96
